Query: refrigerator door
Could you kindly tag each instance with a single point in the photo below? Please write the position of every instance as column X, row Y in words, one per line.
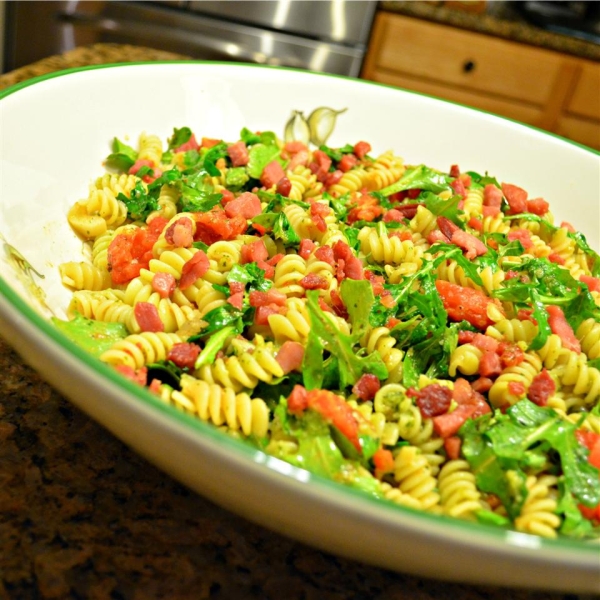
column 162, row 27
column 341, row 21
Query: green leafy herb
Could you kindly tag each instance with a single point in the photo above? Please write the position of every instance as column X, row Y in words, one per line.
column 139, row 203
column 123, row 157
column 179, row 137
column 94, row 337
column 419, row 178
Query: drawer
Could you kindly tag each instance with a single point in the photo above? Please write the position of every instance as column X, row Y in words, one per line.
column 585, row 100
column 466, row 60
column 525, row 113
column 584, row 131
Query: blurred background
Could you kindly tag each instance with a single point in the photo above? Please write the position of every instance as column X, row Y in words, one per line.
column 533, row 61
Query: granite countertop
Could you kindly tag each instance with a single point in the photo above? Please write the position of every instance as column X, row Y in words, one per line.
column 82, row 516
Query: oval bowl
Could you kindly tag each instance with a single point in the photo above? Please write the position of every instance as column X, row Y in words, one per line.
column 55, row 132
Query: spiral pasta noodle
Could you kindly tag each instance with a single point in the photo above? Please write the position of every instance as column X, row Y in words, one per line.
column 422, row 335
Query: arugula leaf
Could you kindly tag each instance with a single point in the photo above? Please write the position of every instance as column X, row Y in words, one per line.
column 139, row 203
column 279, row 223
column 259, row 156
column 499, row 448
column 358, row 298
column 420, row 178
column 312, row 363
column 444, row 208
column 179, row 137
column 123, row 157
column 212, row 156
column 223, row 316
column 214, row 344
column 166, row 371
column 451, row 252
column 250, row 274
column 479, row 181
column 93, row 336
column 351, row 365
column 336, row 154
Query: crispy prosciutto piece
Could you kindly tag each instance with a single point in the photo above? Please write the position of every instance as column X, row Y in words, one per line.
column 366, row 387
column 246, row 205
column 238, row 153
column 254, row 252
column 272, row 174
column 146, row 314
column 290, row 356
column 184, row 354
column 471, row 245
column 541, row 388
column 164, row 284
column 193, row 269
column 180, row 233
column 433, row 400
column 516, row 198
column 361, row 149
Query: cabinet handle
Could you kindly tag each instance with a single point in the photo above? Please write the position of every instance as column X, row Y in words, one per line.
column 468, row 66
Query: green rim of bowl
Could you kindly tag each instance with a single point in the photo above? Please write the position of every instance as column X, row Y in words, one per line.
column 480, row 534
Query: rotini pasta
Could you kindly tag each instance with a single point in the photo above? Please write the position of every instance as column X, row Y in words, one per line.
column 430, row 337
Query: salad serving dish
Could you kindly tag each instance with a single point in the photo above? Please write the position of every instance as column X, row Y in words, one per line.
column 55, row 132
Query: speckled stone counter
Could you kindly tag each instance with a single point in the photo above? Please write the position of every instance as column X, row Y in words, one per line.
column 83, row 517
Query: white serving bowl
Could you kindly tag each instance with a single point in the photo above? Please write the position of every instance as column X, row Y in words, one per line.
column 55, row 132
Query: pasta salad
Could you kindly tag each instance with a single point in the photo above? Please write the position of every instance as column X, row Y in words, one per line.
column 431, row 338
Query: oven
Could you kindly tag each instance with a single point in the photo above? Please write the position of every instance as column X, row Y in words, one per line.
column 324, row 35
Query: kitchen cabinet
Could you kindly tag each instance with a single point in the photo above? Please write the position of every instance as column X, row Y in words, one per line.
column 544, row 88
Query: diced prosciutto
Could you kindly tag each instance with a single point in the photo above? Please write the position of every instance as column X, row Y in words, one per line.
column 164, row 284
column 560, row 326
column 262, row 314
column 538, row 206
column 516, row 198
column 347, row 162
column 180, row 233
column 459, row 187
column 447, row 425
column 361, row 149
column 366, row 387
column 193, row 269
column 238, row 153
column 541, row 388
column 433, row 400
column 492, row 196
column 272, row 174
column 490, row 365
column 184, row 354
column 146, row 315
column 593, row 283
column 298, row 400
column 290, row 356
column 140, row 376
column 191, row 144
column 254, row 252
column 306, row 248
column 472, row 245
column 257, row 298
column 452, row 446
column 246, row 205
column 437, row 236
column 351, row 268
column 523, row 235
column 312, row 281
column 236, row 300
column 325, row 254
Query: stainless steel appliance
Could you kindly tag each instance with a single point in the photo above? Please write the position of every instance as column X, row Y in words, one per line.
column 325, row 35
